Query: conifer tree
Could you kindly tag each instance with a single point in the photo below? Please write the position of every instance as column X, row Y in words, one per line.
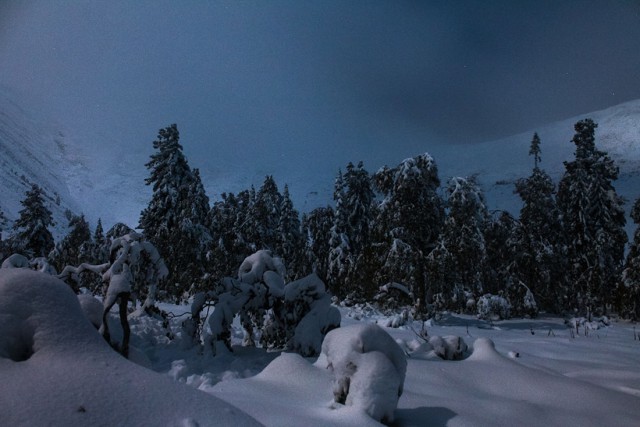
column 409, row 221
column 175, row 220
column 290, row 242
column 540, row 261
column 316, row 228
column 3, row 245
column 3, row 223
column 629, row 292
column 462, row 251
column 76, row 247
column 265, row 214
column 593, row 220
column 340, row 255
column 32, row 227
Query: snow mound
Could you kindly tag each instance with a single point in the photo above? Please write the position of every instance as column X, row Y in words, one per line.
column 57, row 370
column 368, row 366
column 92, row 309
column 16, row 261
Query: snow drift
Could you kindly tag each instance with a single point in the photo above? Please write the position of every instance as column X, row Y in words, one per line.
column 57, row 370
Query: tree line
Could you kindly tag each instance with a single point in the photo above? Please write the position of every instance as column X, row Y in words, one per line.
column 395, row 237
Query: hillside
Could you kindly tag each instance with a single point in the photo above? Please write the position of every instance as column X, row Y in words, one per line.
column 35, row 151
column 109, row 183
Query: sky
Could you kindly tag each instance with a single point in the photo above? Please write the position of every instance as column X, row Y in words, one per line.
column 252, row 81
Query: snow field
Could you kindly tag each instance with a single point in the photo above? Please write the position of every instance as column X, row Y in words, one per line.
column 57, row 370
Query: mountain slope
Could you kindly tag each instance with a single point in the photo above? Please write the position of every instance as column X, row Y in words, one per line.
column 34, row 151
column 110, row 182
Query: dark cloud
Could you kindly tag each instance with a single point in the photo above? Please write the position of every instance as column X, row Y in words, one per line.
column 308, row 76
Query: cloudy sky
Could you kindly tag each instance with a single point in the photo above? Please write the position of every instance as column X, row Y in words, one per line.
column 246, row 79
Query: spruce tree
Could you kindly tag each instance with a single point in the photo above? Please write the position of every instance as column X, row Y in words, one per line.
column 265, row 215
column 358, row 203
column 290, row 242
column 33, row 237
column 540, row 261
column 316, row 228
column 629, row 292
column 3, row 245
column 593, row 220
column 462, row 243
column 340, row 255
column 175, row 220
column 76, row 247
column 409, row 221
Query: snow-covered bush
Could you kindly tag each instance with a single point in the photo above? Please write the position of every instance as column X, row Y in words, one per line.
column 493, row 307
column 295, row 316
column 450, row 347
column 309, row 315
column 369, row 368
column 135, row 267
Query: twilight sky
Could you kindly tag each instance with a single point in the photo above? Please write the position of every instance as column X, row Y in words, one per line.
column 247, row 79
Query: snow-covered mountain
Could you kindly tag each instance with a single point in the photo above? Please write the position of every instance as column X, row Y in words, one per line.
column 36, row 151
column 109, row 183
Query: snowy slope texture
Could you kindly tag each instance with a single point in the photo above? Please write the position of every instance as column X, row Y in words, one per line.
column 34, row 151
column 57, row 370
column 110, row 182
column 498, row 164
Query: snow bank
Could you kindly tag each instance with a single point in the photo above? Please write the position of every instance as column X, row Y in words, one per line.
column 16, row 261
column 57, row 370
column 368, row 367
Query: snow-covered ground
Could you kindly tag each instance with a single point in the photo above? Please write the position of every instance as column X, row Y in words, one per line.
column 57, row 370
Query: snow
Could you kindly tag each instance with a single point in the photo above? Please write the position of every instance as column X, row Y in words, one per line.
column 368, row 368
column 56, row 369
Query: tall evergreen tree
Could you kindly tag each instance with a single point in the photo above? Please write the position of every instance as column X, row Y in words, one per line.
column 409, row 221
column 539, row 245
column 265, row 214
column 316, row 228
column 76, row 247
column 593, row 220
column 290, row 241
column 3, row 245
column 175, row 220
column 461, row 251
column 340, row 254
column 629, row 292
column 32, row 227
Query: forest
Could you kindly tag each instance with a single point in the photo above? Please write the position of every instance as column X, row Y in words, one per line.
column 398, row 238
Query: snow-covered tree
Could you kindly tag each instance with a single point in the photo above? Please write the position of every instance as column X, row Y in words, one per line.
column 290, row 241
column 351, row 234
column 461, row 252
column 593, row 221
column 316, row 226
column 3, row 226
column 409, row 220
column 295, row 316
column 538, row 241
column 265, row 214
column 76, row 246
column 32, row 226
column 340, row 254
column 176, row 218
column 629, row 293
